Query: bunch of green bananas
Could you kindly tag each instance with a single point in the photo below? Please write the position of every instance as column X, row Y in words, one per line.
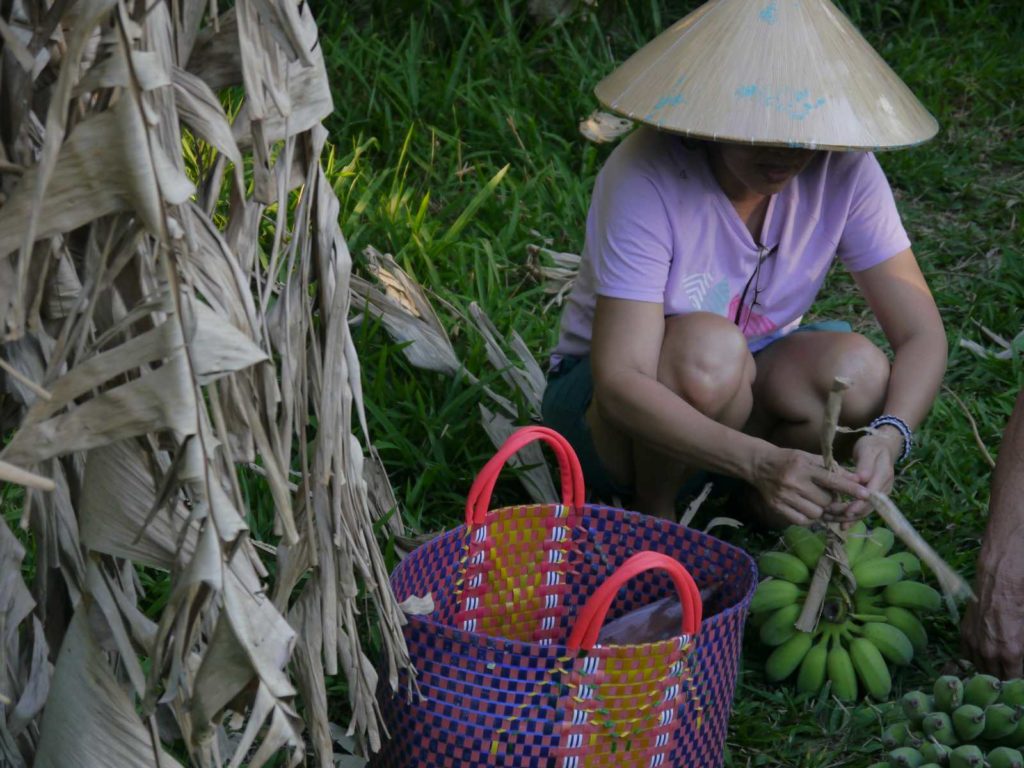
column 859, row 633
column 961, row 724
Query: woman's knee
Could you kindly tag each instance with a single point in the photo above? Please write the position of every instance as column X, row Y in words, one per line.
column 858, row 360
column 705, row 360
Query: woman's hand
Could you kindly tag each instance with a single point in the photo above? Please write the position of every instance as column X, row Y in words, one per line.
column 992, row 632
column 797, row 488
column 874, row 457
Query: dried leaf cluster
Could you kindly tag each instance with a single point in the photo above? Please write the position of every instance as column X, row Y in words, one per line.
column 603, row 127
column 164, row 322
column 557, row 271
column 406, row 312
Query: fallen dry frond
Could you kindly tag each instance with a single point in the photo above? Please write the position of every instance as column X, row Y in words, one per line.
column 1005, row 349
column 405, row 311
column 557, row 270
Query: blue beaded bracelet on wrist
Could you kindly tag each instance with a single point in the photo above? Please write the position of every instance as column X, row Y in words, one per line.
column 902, row 427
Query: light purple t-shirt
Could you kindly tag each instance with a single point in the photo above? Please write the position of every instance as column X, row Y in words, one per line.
column 660, row 229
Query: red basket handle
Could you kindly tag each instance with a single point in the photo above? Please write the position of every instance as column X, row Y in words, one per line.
column 569, row 470
column 592, row 616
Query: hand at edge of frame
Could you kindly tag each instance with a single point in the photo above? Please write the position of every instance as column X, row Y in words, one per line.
column 992, row 630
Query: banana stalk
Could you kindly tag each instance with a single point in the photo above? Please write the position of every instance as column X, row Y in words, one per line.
column 953, row 586
column 835, row 551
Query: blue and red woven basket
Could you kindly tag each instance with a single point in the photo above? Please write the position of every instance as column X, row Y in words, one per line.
column 509, row 671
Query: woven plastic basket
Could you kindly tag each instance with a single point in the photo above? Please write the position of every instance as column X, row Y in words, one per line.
column 508, row 669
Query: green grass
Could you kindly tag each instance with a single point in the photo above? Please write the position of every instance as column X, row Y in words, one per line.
column 456, row 144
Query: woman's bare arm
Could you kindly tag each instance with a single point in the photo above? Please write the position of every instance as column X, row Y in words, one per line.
column 898, row 295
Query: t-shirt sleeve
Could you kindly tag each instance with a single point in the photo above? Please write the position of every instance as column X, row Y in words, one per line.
column 630, row 237
column 873, row 232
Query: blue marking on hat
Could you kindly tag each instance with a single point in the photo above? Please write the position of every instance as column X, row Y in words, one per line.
column 769, row 14
column 796, row 104
column 670, row 100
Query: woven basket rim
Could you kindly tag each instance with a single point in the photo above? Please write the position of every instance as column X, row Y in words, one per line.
column 531, row 648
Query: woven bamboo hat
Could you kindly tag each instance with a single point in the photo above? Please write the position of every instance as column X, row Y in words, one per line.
column 780, row 72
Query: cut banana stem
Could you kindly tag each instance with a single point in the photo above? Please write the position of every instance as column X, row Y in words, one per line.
column 953, row 584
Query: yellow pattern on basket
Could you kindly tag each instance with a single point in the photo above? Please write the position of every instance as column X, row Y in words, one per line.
column 519, row 563
column 625, row 715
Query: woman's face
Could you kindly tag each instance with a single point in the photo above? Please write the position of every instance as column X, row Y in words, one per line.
column 743, row 169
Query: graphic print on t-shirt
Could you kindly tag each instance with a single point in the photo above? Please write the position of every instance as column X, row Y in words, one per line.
column 751, row 323
column 704, row 296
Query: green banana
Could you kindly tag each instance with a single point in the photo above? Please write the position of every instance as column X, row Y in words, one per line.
column 811, row 677
column 841, row 672
column 805, row 544
column 930, row 765
column 935, row 752
column 853, row 541
column 968, row 722
column 772, row 594
column 756, row 620
column 893, row 644
column 871, row 668
column 877, row 544
column 877, row 572
column 982, row 690
column 783, row 565
column 779, row 627
column 909, row 625
column 1005, row 757
column 949, row 693
column 912, row 594
column 880, row 765
column 906, row 757
column 1000, row 721
column 785, row 659
column 939, row 726
column 966, row 756
column 1012, row 693
column 1015, row 739
column 916, row 705
column 865, row 601
column 910, row 562
column 896, row 735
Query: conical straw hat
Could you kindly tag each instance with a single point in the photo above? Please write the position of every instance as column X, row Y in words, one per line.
column 781, row 72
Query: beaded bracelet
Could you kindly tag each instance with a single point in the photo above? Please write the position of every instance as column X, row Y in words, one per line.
column 902, row 427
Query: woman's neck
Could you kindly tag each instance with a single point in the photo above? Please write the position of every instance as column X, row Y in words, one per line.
column 751, row 206
column 752, row 213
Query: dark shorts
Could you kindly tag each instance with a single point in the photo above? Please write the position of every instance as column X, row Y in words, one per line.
column 567, row 396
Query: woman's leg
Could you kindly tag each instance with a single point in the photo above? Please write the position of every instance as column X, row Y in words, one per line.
column 794, row 376
column 705, row 361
